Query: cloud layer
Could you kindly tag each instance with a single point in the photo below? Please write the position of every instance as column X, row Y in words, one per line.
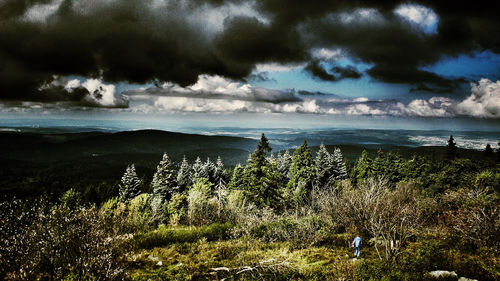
column 215, row 94
column 162, row 41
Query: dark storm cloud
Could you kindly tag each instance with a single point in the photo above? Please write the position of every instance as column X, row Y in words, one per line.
column 317, row 71
column 260, row 77
column 138, row 42
column 346, row 72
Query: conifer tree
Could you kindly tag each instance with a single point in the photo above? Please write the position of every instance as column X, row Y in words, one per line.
column 164, row 182
column 257, row 160
column 379, row 164
column 340, row 168
column 209, row 171
column 184, row 175
column 362, row 169
column 324, row 166
column 130, row 184
column 302, row 174
column 198, row 170
column 219, row 172
column 237, row 177
column 283, row 163
column 164, row 185
column 488, row 152
column 451, row 149
column 394, row 167
column 260, row 179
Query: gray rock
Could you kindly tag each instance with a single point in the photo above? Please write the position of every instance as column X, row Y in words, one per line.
column 443, row 274
column 466, row 279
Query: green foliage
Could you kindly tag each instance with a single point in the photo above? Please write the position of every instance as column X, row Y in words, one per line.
column 303, row 231
column 219, row 172
column 340, row 168
column 164, row 235
column 201, row 208
column 71, row 198
column 260, row 177
column 452, row 175
column 130, row 184
column 139, row 212
column 184, row 175
column 415, row 168
column 108, row 208
column 302, row 174
column 283, row 163
column 177, row 209
column 43, row 241
column 198, row 171
column 237, row 180
column 324, row 167
column 362, row 169
column 164, row 183
column 488, row 179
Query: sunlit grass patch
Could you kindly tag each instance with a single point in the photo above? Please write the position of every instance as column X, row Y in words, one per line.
column 241, row 259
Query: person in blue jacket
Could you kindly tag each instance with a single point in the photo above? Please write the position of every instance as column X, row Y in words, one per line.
column 357, row 244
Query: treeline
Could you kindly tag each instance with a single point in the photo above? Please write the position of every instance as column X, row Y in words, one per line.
column 287, row 181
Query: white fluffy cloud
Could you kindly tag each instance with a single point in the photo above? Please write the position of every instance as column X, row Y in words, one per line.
column 325, row 54
column 216, row 87
column 85, row 92
column 425, row 18
column 276, row 67
column 362, row 16
column 220, row 95
column 483, row 102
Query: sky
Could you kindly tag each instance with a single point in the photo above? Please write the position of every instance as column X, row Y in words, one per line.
column 260, row 61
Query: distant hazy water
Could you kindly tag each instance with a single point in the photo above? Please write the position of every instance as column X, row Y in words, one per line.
column 466, row 136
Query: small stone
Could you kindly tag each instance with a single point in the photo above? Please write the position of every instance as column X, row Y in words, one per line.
column 442, row 274
column 466, row 279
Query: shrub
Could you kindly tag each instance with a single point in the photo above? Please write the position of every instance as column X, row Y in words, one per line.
column 47, row 241
column 202, row 207
column 476, row 220
column 177, row 209
column 71, row 198
column 139, row 212
column 164, row 235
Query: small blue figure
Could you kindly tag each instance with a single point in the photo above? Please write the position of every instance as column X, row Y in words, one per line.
column 357, row 244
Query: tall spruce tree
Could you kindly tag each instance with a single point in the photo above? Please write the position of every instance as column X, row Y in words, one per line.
column 184, row 175
column 302, row 174
column 488, row 152
column 209, row 170
column 130, row 184
column 451, row 149
column 283, row 163
column 237, row 179
column 197, row 170
column 164, row 183
column 362, row 169
column 219, row 172
column 259, row 177
column 324, row 166
column 340, row 168
column 379, row 164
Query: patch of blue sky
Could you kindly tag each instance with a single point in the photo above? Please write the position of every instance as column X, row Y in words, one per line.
column 480, row 64
column 365, row 86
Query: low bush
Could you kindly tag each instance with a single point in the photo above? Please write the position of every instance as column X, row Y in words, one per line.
column 164, row 235
column 43, row 241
